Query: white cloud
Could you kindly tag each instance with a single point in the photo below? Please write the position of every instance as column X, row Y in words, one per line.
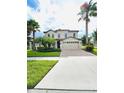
column 54, row 15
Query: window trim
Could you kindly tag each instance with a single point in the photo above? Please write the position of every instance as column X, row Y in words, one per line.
column 48, row 35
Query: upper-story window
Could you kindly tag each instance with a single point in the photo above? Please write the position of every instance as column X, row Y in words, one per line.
column 65, row 35
column 48, row 35
column 58, row 35
column 74, row 35
column 52, row 35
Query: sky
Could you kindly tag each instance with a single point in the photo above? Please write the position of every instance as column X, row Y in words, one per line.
column 58, row 14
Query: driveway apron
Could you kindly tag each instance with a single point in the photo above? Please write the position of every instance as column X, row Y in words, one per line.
column 75, row 52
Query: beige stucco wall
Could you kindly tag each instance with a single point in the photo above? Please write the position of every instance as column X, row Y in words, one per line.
column 70, row 39
column 62, row 34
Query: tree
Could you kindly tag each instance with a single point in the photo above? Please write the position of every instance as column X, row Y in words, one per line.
column 84, row 39
column 38, row 40
column 32, row 26
column 48, row 42
column 51, row 42
column 87, row 9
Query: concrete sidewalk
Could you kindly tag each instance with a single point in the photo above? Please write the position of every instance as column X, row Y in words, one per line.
column 57, row 91
column 43, row 58
column 71, row 74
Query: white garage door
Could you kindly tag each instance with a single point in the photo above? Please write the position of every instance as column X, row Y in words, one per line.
column 70, row 43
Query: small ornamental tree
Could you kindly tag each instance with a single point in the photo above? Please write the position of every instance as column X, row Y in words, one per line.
column 48, row 42
column 51, row 42
column 38, row 40
column 44, row 42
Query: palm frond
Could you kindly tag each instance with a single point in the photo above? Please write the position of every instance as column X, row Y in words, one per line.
column 90, row 2
column 79, row 19
column 94, row 14
column 87, row 19
column 79, row 13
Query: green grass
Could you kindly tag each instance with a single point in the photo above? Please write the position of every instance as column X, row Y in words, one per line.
column 36, row 70
column 94, row 51
column 83, row 47
column 42, row 54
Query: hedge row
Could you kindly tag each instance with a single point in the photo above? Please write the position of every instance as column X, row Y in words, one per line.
column 42, row 49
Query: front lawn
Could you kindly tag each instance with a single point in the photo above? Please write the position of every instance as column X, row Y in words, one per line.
column 94, row 51
column 36, row 70
column 42, row 54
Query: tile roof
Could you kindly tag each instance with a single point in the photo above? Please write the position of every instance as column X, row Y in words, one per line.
column 62, row 30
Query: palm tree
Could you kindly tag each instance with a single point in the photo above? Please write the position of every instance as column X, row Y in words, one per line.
column 32, row 26
column 87, row 9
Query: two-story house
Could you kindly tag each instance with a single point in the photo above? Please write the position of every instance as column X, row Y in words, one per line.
column 65, row 39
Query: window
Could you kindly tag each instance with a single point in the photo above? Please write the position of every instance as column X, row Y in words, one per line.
column 65, row 35
column 74, row 35
column 48, row 35
column 52, row 35
column 58, row 35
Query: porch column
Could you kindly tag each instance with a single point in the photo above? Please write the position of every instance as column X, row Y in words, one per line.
column 55, row 44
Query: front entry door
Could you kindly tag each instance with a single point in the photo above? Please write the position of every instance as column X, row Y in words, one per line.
column 58, row 44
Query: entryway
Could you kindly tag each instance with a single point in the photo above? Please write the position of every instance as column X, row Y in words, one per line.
column 58, row 44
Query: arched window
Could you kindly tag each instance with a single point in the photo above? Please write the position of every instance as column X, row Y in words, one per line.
column 48, row 35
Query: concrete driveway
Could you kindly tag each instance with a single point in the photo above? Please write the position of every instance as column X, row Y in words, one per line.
column 74, row 74
column 75, row 52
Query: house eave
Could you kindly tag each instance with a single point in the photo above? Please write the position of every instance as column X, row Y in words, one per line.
column 62, row 30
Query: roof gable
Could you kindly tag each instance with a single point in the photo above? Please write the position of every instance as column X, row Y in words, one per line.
column 49, row 31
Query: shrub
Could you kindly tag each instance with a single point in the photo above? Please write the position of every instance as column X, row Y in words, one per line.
column 94, row 51
column 38, row 40
column 41, row 49
column 89, row 47
column 42, row 54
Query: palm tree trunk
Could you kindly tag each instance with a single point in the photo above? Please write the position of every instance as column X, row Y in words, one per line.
column 33, row 40
column 87, row 28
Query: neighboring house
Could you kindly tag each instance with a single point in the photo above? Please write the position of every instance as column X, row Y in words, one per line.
column 65, row 39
